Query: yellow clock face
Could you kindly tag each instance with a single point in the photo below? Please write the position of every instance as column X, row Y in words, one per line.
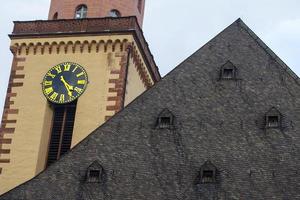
column 64, row 83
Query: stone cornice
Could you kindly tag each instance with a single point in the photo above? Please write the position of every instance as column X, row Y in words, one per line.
column 89, row 26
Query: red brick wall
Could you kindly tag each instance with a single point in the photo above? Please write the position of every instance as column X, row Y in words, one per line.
column 96, row 8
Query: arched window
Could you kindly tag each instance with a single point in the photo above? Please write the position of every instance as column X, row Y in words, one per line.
column 55, row 16
column 81, row 12
column 114, row 13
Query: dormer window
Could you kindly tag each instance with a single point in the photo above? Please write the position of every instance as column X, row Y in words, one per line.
column 165, row 119
column 94, row 176
column 165, row 122
column 207, row 173
column 273, row 121
column 228, row 71
column 208, row 176
column 81, row 12
column 273, row 118
column 94, row 173
column 114, row 13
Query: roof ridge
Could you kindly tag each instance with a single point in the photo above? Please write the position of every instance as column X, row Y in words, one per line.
column 269, row 51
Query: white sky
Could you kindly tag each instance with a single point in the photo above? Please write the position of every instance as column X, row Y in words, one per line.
column 175, row 29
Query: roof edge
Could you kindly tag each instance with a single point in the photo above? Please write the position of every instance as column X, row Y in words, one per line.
column 263, row 45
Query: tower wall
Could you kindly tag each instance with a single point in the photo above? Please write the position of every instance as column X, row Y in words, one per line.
column 106, row 60
column 97, row 8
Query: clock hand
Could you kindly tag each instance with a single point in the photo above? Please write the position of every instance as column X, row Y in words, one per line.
column 67, row 86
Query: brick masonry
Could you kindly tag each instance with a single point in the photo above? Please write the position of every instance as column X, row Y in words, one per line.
column 116, row 93
column 216, row 120
column 97, row 8
column 9, row 112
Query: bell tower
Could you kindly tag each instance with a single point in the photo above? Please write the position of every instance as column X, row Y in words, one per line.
column 69, row 75
column 72, row 9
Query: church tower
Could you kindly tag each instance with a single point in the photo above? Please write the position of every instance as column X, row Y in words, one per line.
column 69, row 75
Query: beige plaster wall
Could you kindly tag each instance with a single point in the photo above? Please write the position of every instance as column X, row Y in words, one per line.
column 134, row 86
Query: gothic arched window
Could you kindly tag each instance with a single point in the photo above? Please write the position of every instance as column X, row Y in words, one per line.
column 114, row 13
column 81, row 12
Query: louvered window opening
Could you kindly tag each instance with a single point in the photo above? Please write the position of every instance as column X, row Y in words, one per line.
column 208, row 176
column 62, row 131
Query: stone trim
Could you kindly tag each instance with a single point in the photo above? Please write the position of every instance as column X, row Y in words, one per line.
column 15, row 80
column 89, row 26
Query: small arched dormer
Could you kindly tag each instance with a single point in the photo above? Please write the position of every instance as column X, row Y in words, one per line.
column 228, row 71
column 165, row 119
column 81, row 12
column 94, row 173
column 207, row 173
column 273, row 118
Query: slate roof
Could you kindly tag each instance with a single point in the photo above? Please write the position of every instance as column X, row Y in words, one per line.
column 218, row 124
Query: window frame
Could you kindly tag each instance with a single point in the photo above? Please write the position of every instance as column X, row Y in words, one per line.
column 228, row 66
column 165, row 120
column 83, row 14
column 118, row 13
column 210, row 168
column 95, row 173
column 273, row 113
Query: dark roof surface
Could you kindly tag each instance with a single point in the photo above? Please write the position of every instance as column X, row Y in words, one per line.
column 217, row 122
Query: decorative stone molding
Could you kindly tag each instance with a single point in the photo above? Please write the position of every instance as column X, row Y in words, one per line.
column 89, row 26
column 69, row 47
column 142, row 70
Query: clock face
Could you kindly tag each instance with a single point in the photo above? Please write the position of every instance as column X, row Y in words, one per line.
column 64, row 83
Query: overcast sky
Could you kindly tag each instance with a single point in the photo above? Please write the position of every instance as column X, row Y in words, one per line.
column 175, row 29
